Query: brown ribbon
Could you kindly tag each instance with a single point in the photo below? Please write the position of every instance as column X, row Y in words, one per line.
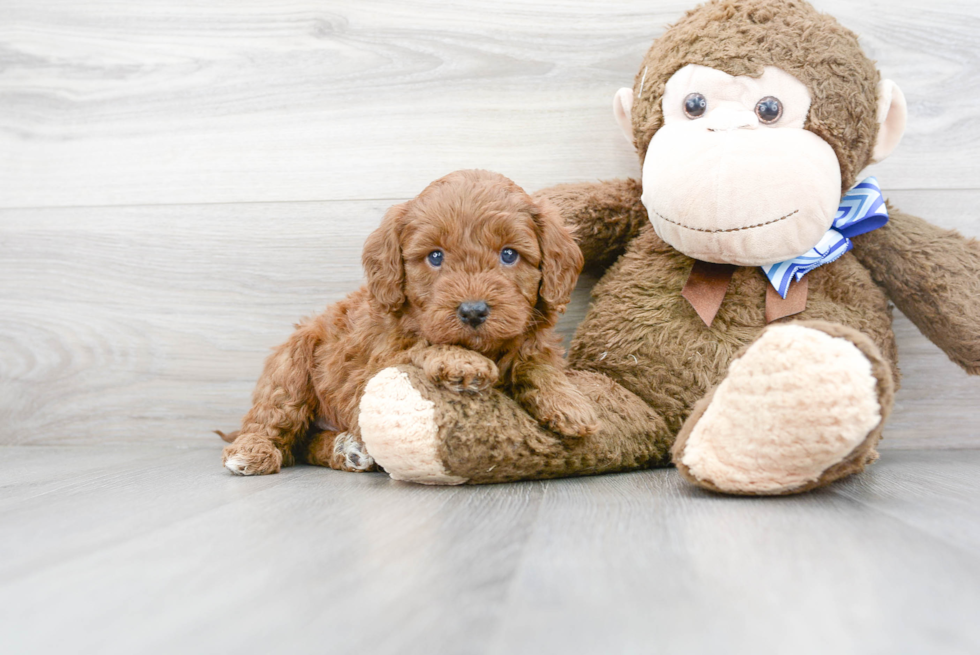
column 707, row 285
column 794, row 302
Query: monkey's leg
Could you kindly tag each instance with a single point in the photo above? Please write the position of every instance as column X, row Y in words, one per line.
column 802, row 406
column 283, row 405
column 419, row 432
column 343, row 451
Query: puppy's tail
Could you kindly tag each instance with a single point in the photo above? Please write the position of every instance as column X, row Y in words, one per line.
column 230, row 437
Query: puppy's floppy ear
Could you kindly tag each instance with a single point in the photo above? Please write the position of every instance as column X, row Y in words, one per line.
column 561, row 259
column 382, row 260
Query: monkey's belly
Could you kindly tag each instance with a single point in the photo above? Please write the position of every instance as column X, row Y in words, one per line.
column 642, row 333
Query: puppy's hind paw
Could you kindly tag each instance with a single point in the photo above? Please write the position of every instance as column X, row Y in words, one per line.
column 251, row 455
column 569, row 417
column 351, row 455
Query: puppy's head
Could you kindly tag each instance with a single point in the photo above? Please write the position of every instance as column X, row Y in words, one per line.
column 475, row 259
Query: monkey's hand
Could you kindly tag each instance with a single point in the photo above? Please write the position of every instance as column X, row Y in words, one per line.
column 604, row 216
column 933, row 276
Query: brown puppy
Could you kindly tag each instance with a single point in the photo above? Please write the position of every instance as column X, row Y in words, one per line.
column 466, row 282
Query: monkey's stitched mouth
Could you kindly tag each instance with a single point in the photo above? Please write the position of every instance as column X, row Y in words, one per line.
column 731, row 229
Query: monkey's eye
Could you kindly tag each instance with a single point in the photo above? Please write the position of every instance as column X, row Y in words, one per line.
column 694, row 105
column 434, row 258
column 769, row 110
column 509, row 256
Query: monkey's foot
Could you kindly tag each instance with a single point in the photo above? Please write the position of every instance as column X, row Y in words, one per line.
column 801, row 407
column 401, row 430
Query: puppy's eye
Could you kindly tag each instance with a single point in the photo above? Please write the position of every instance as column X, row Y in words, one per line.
column 434, row 258
column 694, row 105
column 509, row 256
column 769, row 110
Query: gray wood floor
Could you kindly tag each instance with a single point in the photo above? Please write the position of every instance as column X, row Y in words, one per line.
column 153, row 550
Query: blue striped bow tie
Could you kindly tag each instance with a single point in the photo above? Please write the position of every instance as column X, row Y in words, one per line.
column 861, row 210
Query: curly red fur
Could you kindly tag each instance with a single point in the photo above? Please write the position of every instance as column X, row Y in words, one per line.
column 311, row 387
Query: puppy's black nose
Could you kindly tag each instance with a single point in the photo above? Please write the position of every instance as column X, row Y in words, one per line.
column 473, row 313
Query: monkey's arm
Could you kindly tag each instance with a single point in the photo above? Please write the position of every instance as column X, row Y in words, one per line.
column 604, row 216
column 933, row 276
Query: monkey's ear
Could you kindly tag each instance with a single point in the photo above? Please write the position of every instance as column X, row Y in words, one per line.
column 623, row 111
column 892, row 116
column 382, row 260
column 561, row 259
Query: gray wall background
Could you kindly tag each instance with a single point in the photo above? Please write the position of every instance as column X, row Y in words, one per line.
column 180, row 182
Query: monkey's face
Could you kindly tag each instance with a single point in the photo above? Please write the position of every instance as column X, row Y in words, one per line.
column 732, row 177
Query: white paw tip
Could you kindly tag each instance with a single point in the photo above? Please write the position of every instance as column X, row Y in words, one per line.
column 356, row 457
column 236, row 465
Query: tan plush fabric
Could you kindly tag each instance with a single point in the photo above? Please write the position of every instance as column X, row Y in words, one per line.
column 402, row 428
column 865, row 453
column 729, row 189
column 797, row 402
column 742, row 38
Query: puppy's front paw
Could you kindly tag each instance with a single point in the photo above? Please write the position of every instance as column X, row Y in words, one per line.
column 251, row 454
column 462, row 371
column 569, row 415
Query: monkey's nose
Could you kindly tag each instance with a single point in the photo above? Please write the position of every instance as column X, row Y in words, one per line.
column 724, row 119
column 473, row 313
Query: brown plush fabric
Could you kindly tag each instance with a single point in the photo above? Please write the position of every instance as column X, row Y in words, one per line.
column 933, row 276
column 491, row 438
column 643, row 352
column 604, row 217
column 741, row 38
column 640, row 332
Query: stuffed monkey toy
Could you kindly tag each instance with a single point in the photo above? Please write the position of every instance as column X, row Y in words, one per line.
column 742, row 327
